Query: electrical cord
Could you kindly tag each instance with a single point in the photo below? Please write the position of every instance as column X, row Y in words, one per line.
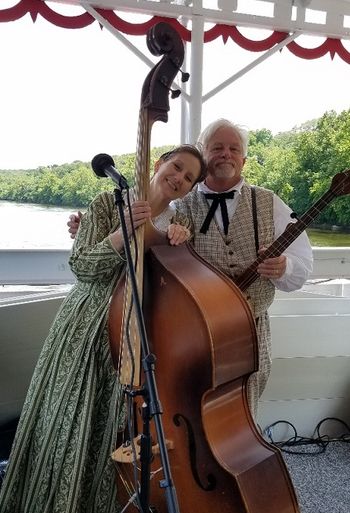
column 318, row 442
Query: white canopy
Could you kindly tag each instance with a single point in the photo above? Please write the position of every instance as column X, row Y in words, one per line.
column 287, row 20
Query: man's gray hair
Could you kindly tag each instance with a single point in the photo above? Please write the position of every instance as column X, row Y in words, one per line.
column 213, row 127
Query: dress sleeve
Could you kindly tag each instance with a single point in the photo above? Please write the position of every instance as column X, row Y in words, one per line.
column 182, row 219
column 93, row 257
column 182, row 214
column 172, row 215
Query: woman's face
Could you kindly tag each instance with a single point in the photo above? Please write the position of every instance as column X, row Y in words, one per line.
column 175, row 177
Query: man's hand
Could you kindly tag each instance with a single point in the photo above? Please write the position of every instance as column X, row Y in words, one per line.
column 73, row 223
column 272, row 268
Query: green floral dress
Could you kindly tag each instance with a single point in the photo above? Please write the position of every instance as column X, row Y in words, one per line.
column 60, row 460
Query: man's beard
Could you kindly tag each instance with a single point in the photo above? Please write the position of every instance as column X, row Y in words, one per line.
column 225, row 171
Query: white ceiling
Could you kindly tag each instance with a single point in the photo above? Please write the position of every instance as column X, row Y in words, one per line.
column 329, row 18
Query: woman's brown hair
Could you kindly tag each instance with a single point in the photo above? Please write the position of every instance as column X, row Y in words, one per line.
column 193, row 150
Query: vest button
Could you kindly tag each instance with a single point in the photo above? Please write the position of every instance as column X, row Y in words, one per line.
column 230, row 252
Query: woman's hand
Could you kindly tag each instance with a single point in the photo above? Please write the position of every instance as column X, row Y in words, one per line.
column 178, row 234
column 140, row 212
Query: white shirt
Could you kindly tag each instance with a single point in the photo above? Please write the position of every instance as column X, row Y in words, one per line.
column 162, row 221
column 299, row 253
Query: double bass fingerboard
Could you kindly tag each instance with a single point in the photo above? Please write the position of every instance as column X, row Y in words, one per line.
column 130, row 353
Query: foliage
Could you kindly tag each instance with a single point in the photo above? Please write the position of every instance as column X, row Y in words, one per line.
column 297, row 165
column 72, row 184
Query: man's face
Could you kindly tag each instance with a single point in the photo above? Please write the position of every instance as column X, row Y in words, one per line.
column 224, row 155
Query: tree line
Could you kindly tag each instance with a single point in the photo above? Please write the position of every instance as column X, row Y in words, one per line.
column 297, row 165
column 72, row 185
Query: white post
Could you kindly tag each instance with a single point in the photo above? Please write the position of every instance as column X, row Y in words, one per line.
column 185, row 99
column 184, row 105
column 195, row 106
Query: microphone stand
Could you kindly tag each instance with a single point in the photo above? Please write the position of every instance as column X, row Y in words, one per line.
column 152, row 408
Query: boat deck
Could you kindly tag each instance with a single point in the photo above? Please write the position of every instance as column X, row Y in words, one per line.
column 321, row 481
column 310, row 378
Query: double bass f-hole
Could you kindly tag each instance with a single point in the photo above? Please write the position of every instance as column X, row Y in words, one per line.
column 192, row 454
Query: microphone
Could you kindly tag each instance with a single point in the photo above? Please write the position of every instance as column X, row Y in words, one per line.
column 103, row 166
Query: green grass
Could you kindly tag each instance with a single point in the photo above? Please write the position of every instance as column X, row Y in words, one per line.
column 328, row 238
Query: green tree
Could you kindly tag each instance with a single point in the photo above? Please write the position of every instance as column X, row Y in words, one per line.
column 298, row 165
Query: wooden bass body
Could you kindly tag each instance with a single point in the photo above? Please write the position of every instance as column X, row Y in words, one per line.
column 202, row 332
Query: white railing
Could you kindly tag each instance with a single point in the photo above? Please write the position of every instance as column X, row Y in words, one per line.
column 310, row 377
column 35, row 267
column 50, row 266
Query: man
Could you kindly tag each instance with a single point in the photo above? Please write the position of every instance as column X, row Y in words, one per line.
column 229, row 235
column 73, row 223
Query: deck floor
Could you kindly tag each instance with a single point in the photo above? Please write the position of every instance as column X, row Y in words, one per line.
column 321, row 481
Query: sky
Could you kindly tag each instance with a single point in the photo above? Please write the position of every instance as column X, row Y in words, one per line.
column 67, row 95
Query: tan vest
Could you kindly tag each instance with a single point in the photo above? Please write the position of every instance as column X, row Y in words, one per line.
column 234, row 252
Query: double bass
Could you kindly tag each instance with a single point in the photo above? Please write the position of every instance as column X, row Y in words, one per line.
column 202, row 333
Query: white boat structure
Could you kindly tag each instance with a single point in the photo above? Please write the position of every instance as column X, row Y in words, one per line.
column 310, row 377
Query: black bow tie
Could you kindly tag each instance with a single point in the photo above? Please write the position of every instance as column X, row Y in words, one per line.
column 218, row 199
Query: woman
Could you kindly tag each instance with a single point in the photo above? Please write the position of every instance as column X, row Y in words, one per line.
column 60, row 460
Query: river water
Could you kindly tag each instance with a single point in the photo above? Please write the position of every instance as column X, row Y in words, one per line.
column 25, row 225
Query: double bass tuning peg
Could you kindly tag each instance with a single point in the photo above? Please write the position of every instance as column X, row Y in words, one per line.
column 184, row 76
column 175, row 93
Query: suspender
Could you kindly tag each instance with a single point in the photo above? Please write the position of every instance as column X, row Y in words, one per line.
column 255, row 219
